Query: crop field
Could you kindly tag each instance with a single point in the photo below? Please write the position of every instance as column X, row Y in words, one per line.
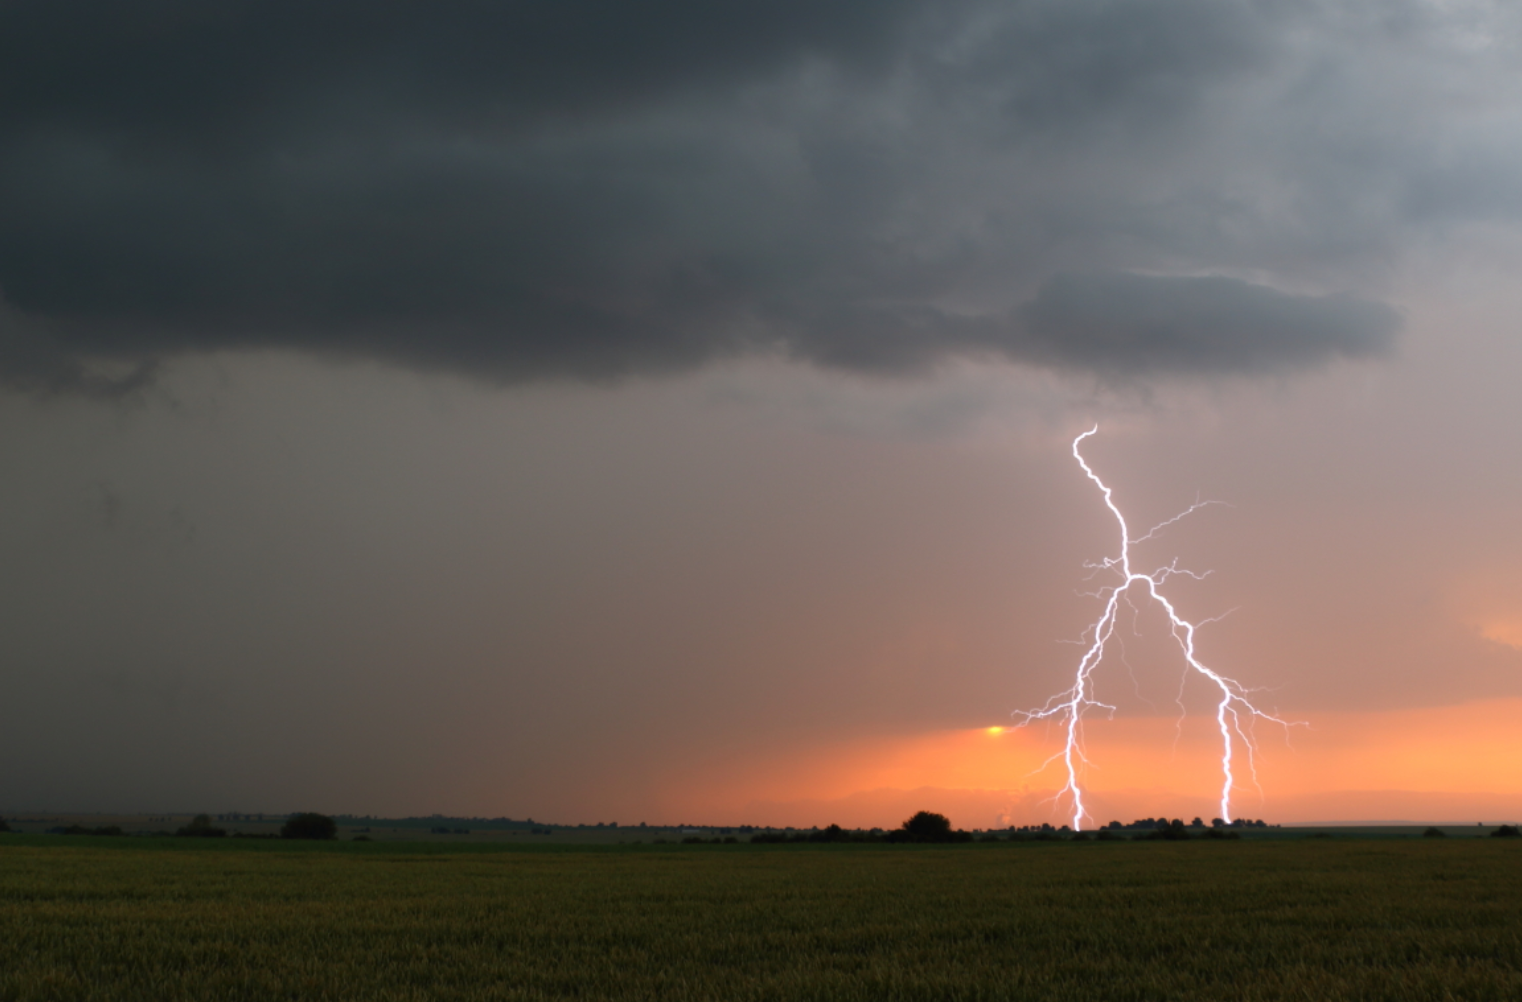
column 1312, row 919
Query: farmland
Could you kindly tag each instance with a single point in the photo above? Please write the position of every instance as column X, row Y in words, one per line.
column 129, row 919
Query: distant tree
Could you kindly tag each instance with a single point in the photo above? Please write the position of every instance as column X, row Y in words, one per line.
column 1115, row 826
column 1434, row 833
column 1217, row 823
column 1196, row 823
column 928, row 826
column 834, row 833
column 1505, row 831
column 309, row 826
column 201, row 827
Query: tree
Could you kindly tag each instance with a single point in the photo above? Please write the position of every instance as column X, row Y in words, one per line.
column 309, row 826
column 1197, row 823
column 929, row 827
column 1435, row 833
column 1505, row 831
column 1217, row 823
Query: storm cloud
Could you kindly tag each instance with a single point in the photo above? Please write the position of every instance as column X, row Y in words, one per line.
column 528, row 190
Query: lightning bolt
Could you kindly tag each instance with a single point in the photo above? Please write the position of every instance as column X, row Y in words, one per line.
column 1235, row 713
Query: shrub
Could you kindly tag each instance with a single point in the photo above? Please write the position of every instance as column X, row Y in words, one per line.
column 1505, row 831
column 1434, row 833
column 309, row 826
column 1220, row 833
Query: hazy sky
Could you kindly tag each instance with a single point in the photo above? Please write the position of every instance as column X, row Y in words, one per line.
column 607, row 411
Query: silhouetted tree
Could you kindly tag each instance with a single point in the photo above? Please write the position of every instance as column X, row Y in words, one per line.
column 309, row 826
column 1505, row 831
column 834, row 833
column 1217, row 823
column 929, row 826
column 1434, row 833
column 1173, row 831
column 1196, row 823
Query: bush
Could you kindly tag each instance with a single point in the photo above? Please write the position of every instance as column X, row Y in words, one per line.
column 201, row 827
column 1219, row 833
column 309, row 826
column 1434, row 833
column 3, row 826
column 1505, row 831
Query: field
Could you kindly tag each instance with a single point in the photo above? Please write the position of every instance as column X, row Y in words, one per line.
column 130, row 919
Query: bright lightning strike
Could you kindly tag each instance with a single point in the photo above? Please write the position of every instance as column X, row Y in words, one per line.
column 1235, row 713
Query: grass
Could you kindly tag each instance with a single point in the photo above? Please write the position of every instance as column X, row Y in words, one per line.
column 1309, row 919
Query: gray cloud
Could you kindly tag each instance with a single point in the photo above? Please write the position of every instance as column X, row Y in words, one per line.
column 589, row 189
column 1127, row 323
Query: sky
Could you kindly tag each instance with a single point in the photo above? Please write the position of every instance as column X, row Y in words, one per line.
column 594, row 412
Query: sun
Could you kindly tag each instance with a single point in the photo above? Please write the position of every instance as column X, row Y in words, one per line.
column 995, row 731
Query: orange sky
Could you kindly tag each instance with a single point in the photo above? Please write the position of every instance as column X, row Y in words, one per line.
column 1422, row 763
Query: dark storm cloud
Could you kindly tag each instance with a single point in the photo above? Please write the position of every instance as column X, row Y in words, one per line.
column 1129, row 323
column 588, row 189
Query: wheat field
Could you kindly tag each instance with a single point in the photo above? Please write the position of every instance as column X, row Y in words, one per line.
column 101, row 919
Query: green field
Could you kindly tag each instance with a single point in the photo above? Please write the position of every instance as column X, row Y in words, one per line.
column 1307, row 919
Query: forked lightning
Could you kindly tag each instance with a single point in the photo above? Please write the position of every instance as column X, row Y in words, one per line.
column 1235, row 713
